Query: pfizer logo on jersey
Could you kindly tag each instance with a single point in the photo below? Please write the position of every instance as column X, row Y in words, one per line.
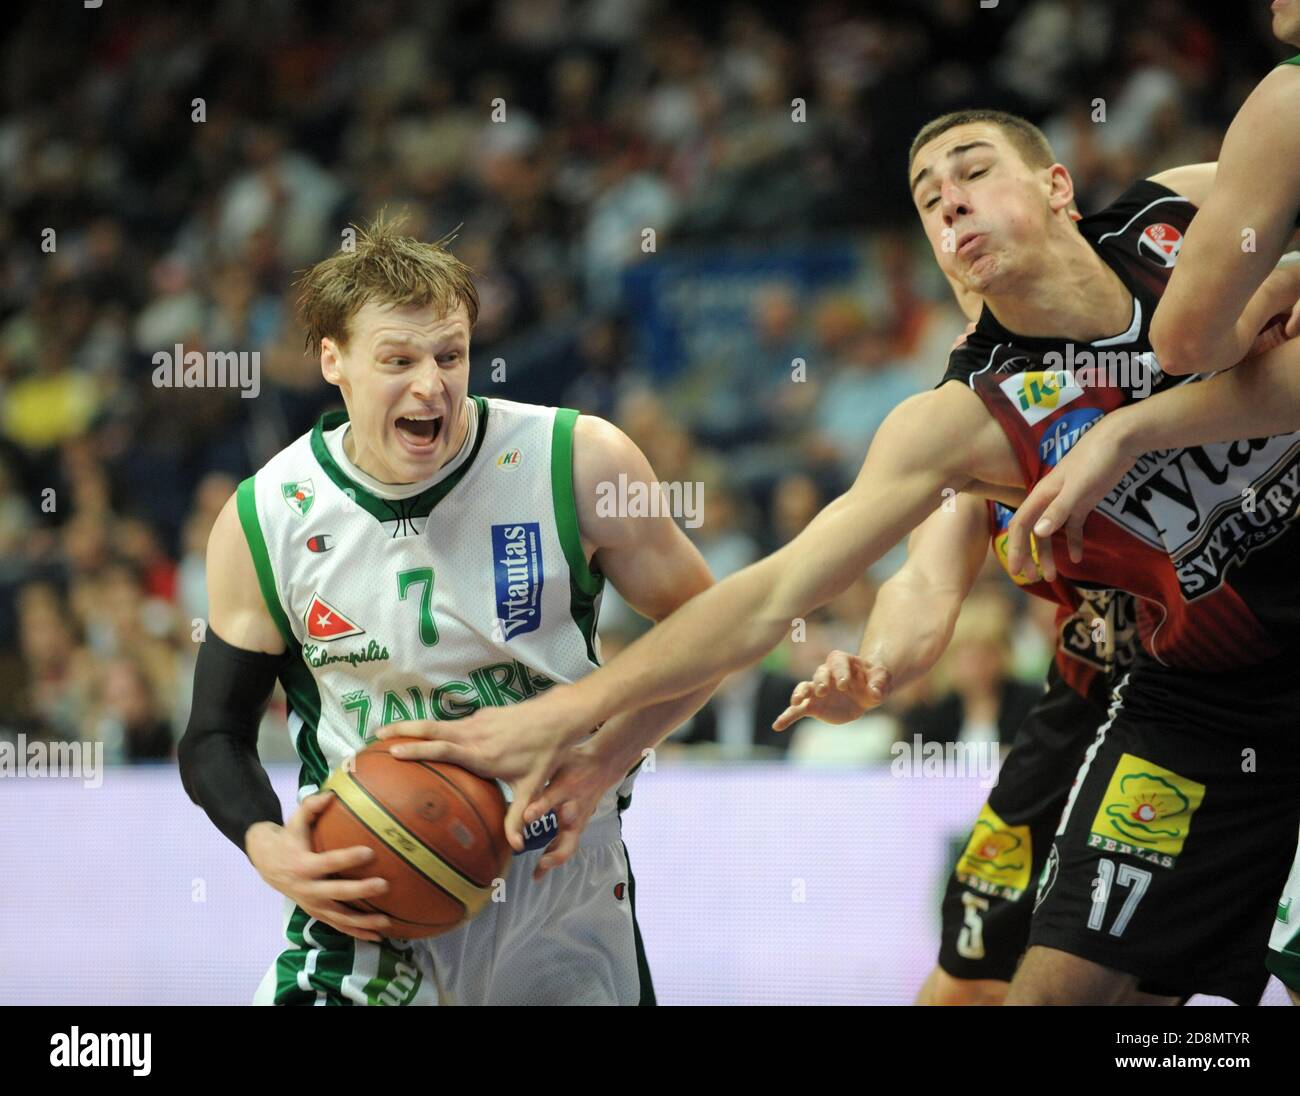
column 517, row 564
column 1160, row 243
column 1064, row 432
column 1036, row 395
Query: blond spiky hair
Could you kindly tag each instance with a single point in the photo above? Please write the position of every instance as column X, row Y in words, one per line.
column 387, row 266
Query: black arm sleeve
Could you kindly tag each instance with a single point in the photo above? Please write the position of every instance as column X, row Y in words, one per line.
column 218, row 754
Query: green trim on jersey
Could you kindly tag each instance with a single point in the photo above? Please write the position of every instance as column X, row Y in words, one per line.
column 1285, row 965
column 335, row 955
column 566, row 510
column 303, row 694
column 1292, row 60
column 647, row 995
column 299, row 684
column 246, row 502
column 384, row 509
column 329, row 958
column 585, row 585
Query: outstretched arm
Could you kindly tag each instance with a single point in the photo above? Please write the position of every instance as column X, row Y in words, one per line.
column 911, row 622
column 652, row 564
column 935, row 440
column 939, row 439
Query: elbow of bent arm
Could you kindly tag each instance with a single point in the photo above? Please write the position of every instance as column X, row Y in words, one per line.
column 1175, row 349
column 187, row 761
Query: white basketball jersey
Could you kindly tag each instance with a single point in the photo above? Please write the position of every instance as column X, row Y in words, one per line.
column 475, row 592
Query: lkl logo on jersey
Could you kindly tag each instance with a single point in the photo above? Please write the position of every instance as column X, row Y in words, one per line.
column 517, row 564
column 1162, row 243
column 324, row 622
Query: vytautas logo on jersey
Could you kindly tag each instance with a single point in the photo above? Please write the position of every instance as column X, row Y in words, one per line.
column 517, row 563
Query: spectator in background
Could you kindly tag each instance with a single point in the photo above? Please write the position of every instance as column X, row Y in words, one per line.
column 607, row 367
column 280, row 187
column 127, row 716
column 120, row 620
column 57, row 671
column 863, row 382
column 629, row 200
column 723, row 538
column 17, row 526
column 796, row 500
column 50, row 404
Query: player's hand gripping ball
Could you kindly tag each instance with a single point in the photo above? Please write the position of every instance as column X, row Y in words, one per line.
column 438, row 833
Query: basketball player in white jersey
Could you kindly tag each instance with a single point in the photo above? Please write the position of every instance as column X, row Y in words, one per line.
column 423, row 555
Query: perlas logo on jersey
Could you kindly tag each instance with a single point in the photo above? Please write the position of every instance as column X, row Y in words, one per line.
column 1160, row 243
column 998, row 857
column 1146, row 811
column 298, row 495
column 517, row 565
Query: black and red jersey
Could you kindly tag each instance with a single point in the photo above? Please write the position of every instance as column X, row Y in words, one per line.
column 1203, row 536
column 1095, row 633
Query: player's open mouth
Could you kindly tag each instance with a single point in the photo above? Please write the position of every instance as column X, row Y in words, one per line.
column 421, row 432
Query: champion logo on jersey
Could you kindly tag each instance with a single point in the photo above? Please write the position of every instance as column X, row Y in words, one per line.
column 510, row 458
column 517, row 566
column 321, row 542
column 325, row 622
column 620, row 889
column 298, row 496
column 1160, row 243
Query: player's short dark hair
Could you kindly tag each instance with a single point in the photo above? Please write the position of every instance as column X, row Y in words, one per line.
column 386, row 266
column 1027, row 138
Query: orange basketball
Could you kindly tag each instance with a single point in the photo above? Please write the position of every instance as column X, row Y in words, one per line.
column 437, row 830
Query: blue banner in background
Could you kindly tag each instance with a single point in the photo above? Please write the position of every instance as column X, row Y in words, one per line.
column 698, row 306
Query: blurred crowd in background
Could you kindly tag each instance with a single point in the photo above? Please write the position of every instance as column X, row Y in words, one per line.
column 178, row 223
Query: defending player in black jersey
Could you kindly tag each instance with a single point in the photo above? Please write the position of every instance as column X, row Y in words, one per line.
column 989, row 896
column 1222, row 292
column 1164, row 801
